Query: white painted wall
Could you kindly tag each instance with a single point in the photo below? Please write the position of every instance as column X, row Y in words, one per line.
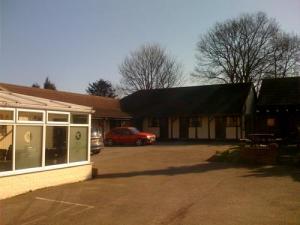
column 202, row 132
column 174, row 123
column 231, row 132
column 192, row 133
column 31, row 181
column 199, row 132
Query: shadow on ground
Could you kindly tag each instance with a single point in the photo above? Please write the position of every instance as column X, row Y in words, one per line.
column 181, row 143
column 254, row 171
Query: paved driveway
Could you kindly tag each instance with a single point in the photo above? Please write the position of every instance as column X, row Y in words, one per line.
column 164, row 184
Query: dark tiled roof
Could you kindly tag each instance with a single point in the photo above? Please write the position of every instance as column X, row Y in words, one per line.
column 208, row 99
column 103, row 106
column 280, row 92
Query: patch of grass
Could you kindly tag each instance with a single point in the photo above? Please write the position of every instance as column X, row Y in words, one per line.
column 286, row 156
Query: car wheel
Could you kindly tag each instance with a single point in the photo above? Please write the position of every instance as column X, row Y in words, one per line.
column 110, row 142
column 139, row 142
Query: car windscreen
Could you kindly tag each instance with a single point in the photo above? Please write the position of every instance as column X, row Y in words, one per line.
column 96, row 132
column 133, row 130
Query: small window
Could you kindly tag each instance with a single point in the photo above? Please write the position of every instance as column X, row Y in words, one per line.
column 6, row 115
column 195, row 122
column 30, row 116
column 58, row 117
column 153, row 122
column 270, row 122
column 232, row 121
column 79, row 119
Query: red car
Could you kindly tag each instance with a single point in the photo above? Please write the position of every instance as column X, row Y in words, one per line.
column 128, row 135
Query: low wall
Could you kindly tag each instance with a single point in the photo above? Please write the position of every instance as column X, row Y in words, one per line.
column 18, row 184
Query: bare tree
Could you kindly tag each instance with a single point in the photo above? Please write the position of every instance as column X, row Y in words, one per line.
column 285, row 56
column 243, row 50
column 101, row 88
column 149, row 67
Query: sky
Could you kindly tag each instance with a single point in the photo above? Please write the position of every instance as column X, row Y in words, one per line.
column 75, row 42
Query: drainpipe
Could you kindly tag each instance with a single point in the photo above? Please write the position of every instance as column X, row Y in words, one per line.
column 208, row 127
column 171, row 119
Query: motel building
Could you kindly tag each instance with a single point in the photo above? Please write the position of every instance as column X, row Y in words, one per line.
column 42, row 143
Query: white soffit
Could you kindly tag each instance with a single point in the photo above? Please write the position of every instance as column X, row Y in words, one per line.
column 10, row 99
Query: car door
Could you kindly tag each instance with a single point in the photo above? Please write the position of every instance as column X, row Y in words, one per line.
column 126, row 136
column 116, row 135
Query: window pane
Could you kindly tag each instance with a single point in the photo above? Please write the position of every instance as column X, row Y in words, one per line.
column 53, row 117
column 28, row 146
column 79, row 119
column 6, row 115
column 78, row 144
column 6, row 147
column 56, row 145
column 30, row 116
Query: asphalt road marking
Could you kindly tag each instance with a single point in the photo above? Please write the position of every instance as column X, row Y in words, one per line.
column 65, row 210
column 64, row 202
column 34, row 220
column 80, row 211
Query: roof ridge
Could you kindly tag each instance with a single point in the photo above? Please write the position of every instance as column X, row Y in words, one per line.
column 187, row 87
column 52, row 91
column 281, row 78
column 205, row 85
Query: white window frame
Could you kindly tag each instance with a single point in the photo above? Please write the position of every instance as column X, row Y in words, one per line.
column 30, row 122
column 14, row 116
column 44, row 123
column 81, row 124
column 58, row 122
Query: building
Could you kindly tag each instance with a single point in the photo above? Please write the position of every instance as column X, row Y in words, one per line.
column 107, row 111
column 42, row 143
column 213, row 112
column 210, row 112
column 278, row 107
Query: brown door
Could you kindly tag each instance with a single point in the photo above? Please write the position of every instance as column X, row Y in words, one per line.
column 220, row 128
column 164, row 127
column 184, row 128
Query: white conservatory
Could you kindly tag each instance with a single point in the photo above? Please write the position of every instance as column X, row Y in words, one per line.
column 42, row 143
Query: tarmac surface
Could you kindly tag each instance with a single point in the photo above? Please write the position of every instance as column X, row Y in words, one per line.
column 164, row 184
